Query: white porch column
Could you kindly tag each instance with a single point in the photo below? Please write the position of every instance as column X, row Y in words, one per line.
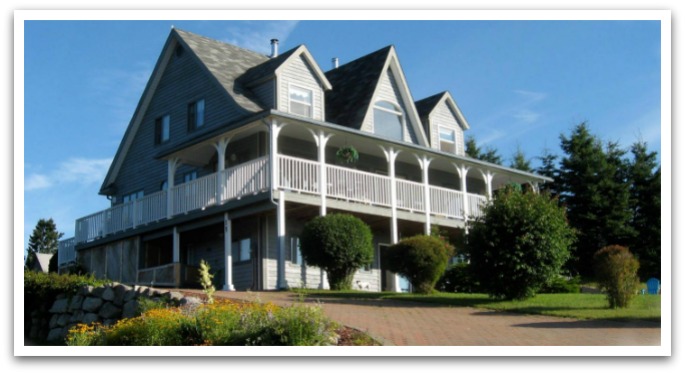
column 171, row 174
column 280, row 232
column 321, row 138
column 424, row 162
column 220, row 147
column 463, row 170
column 176, row 246
column 274, row 130
column 228, row 254
column 391, row 156
column 535, row 186
column 487, row 177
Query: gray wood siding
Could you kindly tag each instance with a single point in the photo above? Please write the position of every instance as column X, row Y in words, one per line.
column 388, row 90
column 443, row 116
column 265, row 92
column 182, row 82
column 297, row 72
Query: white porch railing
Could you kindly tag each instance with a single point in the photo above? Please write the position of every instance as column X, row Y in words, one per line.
column 446, row 202
column 65, row 251
column 241, row 180
column 476, row 203
column 359, row 186
column 300, row 175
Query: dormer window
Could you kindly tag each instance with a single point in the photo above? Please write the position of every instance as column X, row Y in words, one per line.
column 387, row 120
column 196, row 114
column 300, row 102
column 448, row 141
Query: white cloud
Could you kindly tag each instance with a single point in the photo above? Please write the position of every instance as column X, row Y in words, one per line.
column 526, row 115
column 256, row 36
column 524, row 110
column 74, row 170
column 82, row 170
column 36, row 182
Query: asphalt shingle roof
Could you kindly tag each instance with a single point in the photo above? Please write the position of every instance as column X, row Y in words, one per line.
column 227, row 63
column 353, row 87
column 425, row 106
column 265, row 69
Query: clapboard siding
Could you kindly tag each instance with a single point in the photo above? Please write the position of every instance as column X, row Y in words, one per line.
column 388, row 90
column 182, row 82
column 265, row 92
column 298, row 72
column 442, row 115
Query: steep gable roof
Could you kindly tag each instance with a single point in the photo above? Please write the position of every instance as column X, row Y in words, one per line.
column 353, row 87
column 426, row 106
column 224, row 64
column 270, row 68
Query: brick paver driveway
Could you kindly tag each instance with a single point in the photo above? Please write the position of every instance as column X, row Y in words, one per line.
column 407, row 323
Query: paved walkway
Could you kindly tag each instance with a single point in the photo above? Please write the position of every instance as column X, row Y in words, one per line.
column 407, row 323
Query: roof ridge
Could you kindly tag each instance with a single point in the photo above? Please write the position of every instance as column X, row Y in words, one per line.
column 222, row 42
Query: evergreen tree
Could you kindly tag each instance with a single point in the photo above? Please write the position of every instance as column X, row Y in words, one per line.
column 548, row 168
column 488, row 155
column 520, row 162
column 593, row 187
column 645, row 204
column 45, row 237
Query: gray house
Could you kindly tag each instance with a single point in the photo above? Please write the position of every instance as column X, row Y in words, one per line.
column 230, row 152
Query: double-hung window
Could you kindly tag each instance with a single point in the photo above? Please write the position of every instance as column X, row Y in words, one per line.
column 448, row 141
column 295, row 254
column 162, row 128
column 387, row 120
column 242, row 250
column 300, row 101
column 196, row 114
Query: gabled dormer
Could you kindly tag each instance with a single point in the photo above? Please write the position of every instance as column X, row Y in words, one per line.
column 443, row 123
column 291, row 82
column 371, row 94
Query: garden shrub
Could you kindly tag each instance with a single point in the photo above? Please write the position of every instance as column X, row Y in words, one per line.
column 519, row 243
column 41, row 289
column 339, row 244
column 561, row 284
column 616, row 272
column 458, row 278
column 221, row 323
column 422, row 259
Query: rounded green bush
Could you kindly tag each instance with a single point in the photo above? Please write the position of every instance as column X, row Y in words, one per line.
column 458, row 278
column 339, row 244
column 519, row 244
column 422, row 259
column 616, row 272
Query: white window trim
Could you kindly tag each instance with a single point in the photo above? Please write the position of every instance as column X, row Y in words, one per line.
column 311, row 94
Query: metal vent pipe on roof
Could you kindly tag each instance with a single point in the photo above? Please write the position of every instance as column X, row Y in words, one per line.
column 335, row 62
column 274, row 48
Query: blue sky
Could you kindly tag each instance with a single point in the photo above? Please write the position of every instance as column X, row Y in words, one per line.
column 518, row 83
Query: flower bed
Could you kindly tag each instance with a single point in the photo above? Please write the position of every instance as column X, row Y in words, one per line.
column 223, row 323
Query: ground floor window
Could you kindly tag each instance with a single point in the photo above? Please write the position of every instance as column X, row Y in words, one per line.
column 157, row 252
column 242, row 250
column 294, row 253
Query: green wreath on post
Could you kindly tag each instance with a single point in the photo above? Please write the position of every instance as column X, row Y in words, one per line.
column 347, row 155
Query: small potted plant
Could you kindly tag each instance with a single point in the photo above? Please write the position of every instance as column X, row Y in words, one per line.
column 347, row 155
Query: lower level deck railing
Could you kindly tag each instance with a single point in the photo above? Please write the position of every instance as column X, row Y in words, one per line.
column 218, row 188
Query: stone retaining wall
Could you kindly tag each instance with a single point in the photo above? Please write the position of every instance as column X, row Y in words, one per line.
column 105, row 305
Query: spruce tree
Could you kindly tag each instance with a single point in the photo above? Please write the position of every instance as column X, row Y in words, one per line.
column 520, row 162
column 645, row 206
column 45, row 237
column 593, row 187
column 488, row 155
column 548, row 168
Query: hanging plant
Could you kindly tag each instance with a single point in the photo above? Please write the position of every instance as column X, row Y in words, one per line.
column 347, row 155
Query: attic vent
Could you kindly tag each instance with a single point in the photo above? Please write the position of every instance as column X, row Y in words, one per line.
column 179, row 51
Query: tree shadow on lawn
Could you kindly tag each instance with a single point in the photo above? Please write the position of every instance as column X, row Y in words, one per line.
column 573, row 322
column 389, row 301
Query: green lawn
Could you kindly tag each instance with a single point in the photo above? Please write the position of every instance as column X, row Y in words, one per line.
column 581, row 306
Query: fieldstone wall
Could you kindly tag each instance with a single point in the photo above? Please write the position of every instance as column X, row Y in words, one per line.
column 106, row 305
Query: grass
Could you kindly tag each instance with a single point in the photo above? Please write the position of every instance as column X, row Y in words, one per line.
column 580, row 306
